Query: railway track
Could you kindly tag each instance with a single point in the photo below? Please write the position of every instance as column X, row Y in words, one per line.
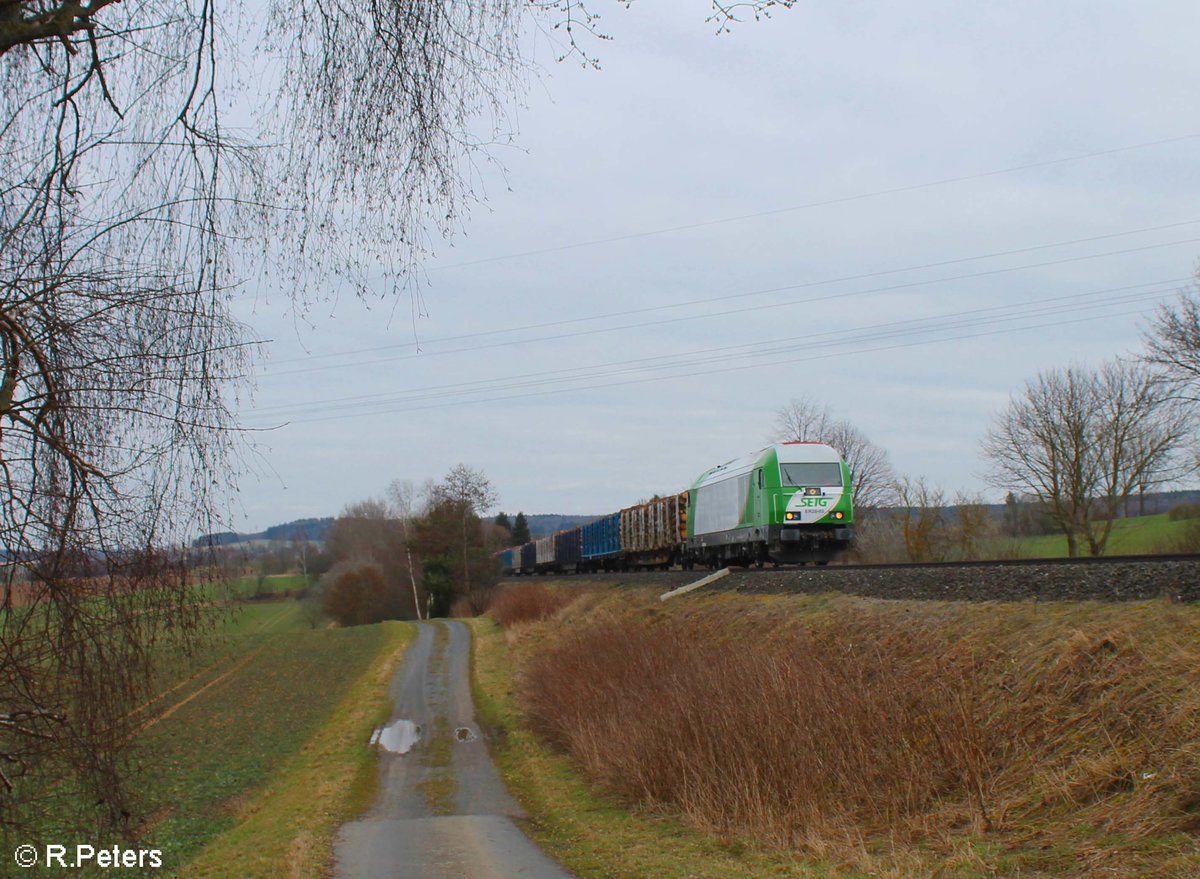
column 1193, row 558
column 1107, row 578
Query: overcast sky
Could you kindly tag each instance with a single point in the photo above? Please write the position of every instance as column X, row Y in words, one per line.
column 903, row 210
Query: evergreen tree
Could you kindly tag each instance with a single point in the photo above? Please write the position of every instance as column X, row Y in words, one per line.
column 502, row 520
column 520, row 530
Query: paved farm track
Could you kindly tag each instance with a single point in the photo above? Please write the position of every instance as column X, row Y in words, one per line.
column 1125, row 578
column 442, row 811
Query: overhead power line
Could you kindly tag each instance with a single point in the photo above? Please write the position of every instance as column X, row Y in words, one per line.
column 745, row 309
column 914, row 187
column 731, row 296
column 764, row 354
column 507, row 397
column 1090, row 299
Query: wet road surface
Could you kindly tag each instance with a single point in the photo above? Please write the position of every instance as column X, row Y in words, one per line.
column 441, row 810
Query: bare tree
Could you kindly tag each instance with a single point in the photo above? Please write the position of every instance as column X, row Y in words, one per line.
column 402, row 495
column 142, row 174
column 115, row 443
column 302, row 551
column 873, row 479
column 367, row 533
column 922, row 519
column 1173, row 339
column 1082, row 440
column 972, row 524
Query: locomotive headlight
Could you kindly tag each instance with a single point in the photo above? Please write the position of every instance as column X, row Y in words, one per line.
column 839, row 515
column 791, row 516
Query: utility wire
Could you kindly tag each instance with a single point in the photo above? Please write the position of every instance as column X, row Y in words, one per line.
column 685, row 364
column 1092, row 299
column 857, row 336
column 704, row 372
column 816, row 204
column 754, row 308
column 722, row 298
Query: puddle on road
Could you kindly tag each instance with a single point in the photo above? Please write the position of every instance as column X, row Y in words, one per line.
column 399, row 736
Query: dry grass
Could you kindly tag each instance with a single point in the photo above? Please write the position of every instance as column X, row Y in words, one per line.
column 516, row 603
column 837, row 726
column 796, row 741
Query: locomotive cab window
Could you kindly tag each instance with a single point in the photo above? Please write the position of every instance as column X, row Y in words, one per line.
column 811, row 474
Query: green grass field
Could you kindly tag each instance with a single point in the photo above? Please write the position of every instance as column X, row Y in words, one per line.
column 1134, row 536
column 276, row 584
column 227, row 719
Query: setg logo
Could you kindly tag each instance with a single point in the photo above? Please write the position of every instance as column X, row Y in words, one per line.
column 814, row 501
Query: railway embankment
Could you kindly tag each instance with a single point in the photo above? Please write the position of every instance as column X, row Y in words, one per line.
column 1176, row 579
column 1126, row 579
column 838, row 735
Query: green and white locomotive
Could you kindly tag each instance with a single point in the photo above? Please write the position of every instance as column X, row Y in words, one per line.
column 789, row 503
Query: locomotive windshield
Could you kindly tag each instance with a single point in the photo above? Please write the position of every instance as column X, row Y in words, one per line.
column 811, row 474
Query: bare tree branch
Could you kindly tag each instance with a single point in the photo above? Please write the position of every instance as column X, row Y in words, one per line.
column 1173, row 341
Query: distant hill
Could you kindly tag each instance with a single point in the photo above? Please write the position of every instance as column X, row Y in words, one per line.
column 544, row 524
column 1160, row 502
column 312, row 529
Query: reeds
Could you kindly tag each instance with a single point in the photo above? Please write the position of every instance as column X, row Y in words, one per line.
column 790, row 740
column 870, row 722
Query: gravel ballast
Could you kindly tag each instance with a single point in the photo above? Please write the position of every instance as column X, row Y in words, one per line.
column 1113, row 580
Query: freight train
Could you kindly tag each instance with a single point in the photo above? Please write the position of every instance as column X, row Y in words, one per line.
column 789, row 503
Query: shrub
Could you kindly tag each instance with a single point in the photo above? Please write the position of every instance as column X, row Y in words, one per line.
column 1184, row 511
column 525, row 602
column 355, row 595
column 1186, row 540
column 462, row 609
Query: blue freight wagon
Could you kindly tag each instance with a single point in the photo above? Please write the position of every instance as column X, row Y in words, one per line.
column 601, row 543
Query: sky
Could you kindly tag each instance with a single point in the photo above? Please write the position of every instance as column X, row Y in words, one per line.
column 904, row 211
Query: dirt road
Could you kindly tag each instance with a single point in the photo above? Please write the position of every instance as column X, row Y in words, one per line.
column 442, row 810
